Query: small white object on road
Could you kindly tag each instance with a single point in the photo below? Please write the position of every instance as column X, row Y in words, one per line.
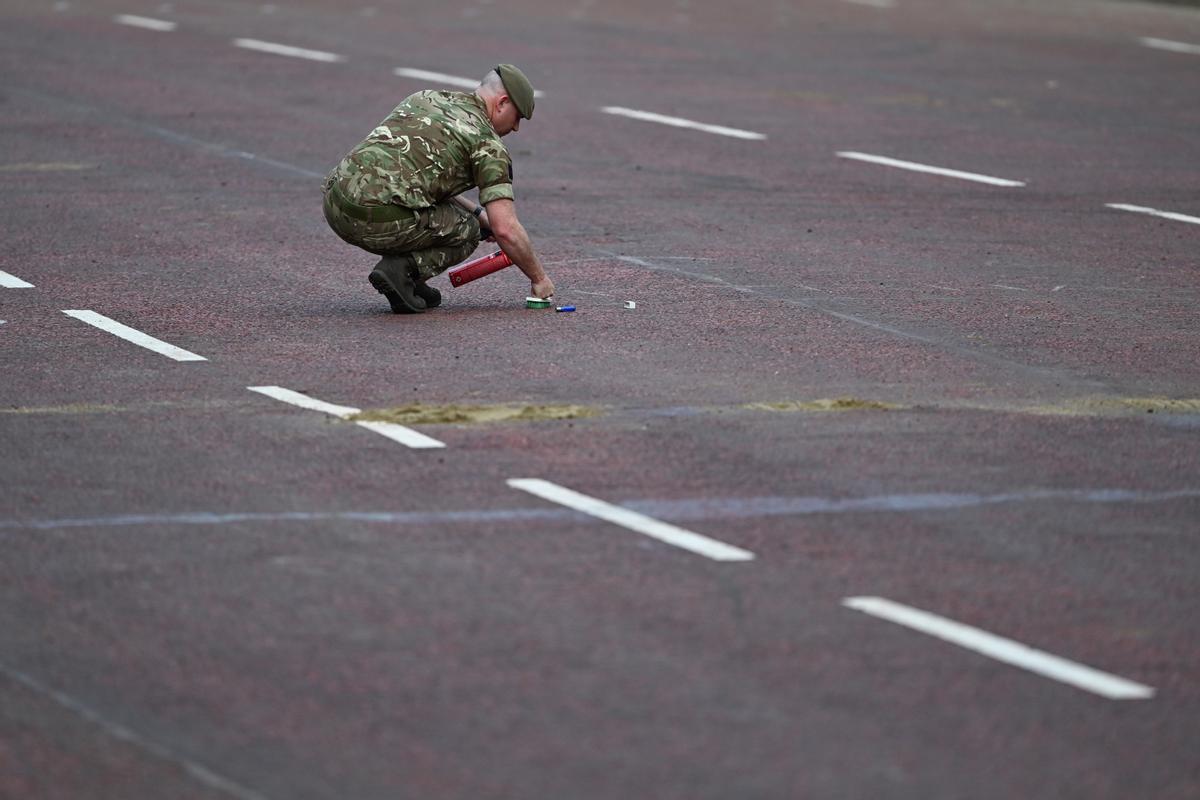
column 397, row 433
column 13, row 282
column 287, row 50
column 132, row 335
column 1001, row 649
column 679, row 122
column 915, row 167
column 630, row 304
column 694, row 542
column 148, row 23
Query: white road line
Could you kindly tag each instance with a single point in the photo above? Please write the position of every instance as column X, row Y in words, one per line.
column 441, row 77
column 1155, row 212
column 149, row 23
column 287, row 50
column 1001, row 649
column 679, row 122
column 13, row 282
column 949, row 173
column 304, row 401
column 397, row 433
column 132, row 335
column 874, row 3
column 1167, row 44
column 694, row 542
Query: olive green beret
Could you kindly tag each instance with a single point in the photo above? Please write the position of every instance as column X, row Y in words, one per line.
column 519, row 89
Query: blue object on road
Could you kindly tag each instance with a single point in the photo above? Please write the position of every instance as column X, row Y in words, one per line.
column 565, row 308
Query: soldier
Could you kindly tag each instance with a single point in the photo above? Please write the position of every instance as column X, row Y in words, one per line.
column 397, row 194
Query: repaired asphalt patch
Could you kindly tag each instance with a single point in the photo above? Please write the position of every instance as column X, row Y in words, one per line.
column 421, row 414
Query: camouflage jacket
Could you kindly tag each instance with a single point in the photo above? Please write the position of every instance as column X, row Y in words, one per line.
column 432, row 146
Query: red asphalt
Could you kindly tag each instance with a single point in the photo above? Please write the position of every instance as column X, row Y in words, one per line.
column 196, row 601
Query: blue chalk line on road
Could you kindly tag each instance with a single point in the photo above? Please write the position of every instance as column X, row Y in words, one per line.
column 681, row 510
column 287, row 50
column 197, row 771
column 680, row 122
column 1001, row 649
column 8, row 281
column 662, row 531
column 397, row 433
column 915, row 167
column 146, row 23
column 1154, row 212
column 133, row 335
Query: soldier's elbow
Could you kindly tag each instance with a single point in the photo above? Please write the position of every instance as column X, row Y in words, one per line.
column 504, row 231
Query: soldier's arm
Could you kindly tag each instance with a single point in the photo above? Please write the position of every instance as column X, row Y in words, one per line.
column 514, row 241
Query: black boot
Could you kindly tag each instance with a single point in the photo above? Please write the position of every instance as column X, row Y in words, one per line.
column 391, row 279
column 431, row 296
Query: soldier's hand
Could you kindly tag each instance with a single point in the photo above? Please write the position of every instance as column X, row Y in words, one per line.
column 543, row 288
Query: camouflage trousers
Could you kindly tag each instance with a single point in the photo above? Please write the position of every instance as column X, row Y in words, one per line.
column 434, row 238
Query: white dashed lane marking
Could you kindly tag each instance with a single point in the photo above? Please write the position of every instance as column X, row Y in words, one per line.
column 148, row 23
column 1154, row 212
column 132, row 335
column 287, row 50
column 1001, row 649
column 437, row 77
column 915, row 167
column 441, row 77
column 397, row 433
column 8, row 281
column 679, row 122
column 664, row 532
column 1167, row 44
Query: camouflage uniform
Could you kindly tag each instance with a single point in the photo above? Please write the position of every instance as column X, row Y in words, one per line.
column 392, row 194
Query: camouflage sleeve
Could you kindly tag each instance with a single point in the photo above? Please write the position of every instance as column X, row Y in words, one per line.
column 491, row 167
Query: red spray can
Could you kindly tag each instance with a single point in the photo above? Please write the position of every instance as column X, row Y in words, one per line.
column 477, row 268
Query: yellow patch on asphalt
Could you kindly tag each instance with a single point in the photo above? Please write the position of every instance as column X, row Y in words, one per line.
column 75, row 408
column 825, row 404
column 1101, row 406
column 103, row 408
column 803, row 96
column 422, row 414
column 911, row 99
column 49, row 166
